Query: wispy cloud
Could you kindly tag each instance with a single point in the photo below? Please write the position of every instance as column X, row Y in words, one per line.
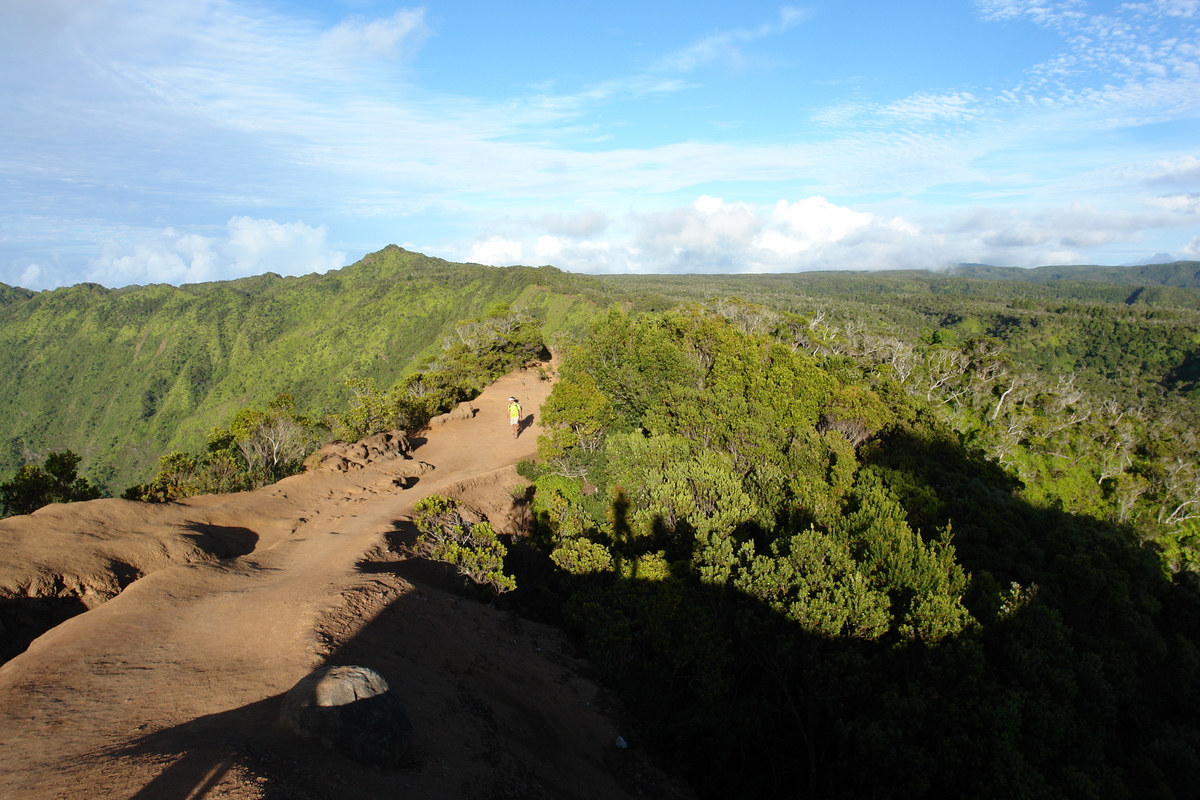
column 400, row 35
column 1126, row 58
column 955, row 106
column 727, row 46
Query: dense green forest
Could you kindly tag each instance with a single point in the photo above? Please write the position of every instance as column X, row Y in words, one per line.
column 831, row 534
column 819, row 561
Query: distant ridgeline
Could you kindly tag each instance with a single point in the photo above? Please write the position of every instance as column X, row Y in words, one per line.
column 1135, row 330
column 1178, row 274
column 123, row 376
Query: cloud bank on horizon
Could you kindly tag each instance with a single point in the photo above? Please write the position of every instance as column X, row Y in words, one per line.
column 190, row 140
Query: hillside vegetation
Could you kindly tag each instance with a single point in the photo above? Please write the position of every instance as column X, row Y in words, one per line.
column 122, row 377
column 823, row 562
column 832, row 535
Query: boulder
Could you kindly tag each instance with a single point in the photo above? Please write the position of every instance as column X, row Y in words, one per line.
column 463, row 410
column 388, row 444
column 343, row 457
column 353, row 711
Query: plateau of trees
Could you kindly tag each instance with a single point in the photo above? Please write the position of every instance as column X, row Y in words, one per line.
column 478, row 351
column 820, row 559
column 257, row 448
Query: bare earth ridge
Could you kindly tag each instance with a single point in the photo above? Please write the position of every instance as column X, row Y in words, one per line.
column 171, row 688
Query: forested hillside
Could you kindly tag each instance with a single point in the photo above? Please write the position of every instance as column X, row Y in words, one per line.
column 1088, row 392
column 821, row 561
column 122, row 377
column 1184, row 274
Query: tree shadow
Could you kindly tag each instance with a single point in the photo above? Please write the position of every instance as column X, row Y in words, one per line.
column 1077, row 669
column 401, row 541
column 500, row 709
column 1077, row 676
column 198, row 770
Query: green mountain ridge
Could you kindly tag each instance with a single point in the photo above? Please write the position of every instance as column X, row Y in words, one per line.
column 122, row 376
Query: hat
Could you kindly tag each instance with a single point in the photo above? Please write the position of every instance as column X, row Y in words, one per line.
column 512, row 399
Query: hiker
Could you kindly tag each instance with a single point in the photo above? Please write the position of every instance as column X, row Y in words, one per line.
column 514, row 416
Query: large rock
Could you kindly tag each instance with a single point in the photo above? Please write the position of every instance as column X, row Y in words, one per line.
column 344, row 457
column 463, row 410
column 351, row 710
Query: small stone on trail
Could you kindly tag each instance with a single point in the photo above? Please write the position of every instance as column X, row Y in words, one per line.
column 351, row 710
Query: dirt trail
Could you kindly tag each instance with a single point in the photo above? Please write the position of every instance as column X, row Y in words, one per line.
column 171, row 688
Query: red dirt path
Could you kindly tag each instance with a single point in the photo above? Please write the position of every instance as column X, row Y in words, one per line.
column 172, row 688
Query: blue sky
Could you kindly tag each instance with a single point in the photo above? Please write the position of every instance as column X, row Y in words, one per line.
column 188, row 140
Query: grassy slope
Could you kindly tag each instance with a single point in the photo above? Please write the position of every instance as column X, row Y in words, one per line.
column 122, row 376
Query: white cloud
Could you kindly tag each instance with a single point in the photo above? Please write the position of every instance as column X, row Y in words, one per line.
column 1179, row 8
column 496, row 251
column 399, row 35
column 712, row 235
column 1181, row 203
column 725, row 46
column 1184, row 172
column 796, row 227
column 549, row 248
column 582, row 256
column 291, row 248
column 708, row 236
column 30, row 276
column 584, row 223
column 1077, row 225
column 252, row 246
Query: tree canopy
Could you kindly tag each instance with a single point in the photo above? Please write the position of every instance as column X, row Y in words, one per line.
column 798, row 549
